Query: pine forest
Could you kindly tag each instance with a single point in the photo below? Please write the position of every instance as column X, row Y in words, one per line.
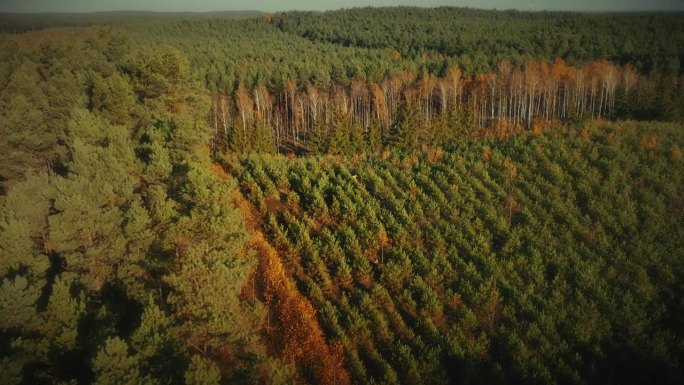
column 394, row 195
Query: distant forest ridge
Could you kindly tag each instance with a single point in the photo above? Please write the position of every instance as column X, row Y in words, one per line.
column 26, row 22
column 650, row 41
column 431, row 38
column 360, row 79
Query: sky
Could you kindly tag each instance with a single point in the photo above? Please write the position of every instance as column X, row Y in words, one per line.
column 284, row 5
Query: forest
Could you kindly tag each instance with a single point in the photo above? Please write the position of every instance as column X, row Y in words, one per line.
column 363, row 196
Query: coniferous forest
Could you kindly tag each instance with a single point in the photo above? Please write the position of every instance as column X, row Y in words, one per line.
column 363, row 196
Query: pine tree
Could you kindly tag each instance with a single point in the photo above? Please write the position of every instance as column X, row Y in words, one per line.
column 202, row 372
column 404, row 130
column 114, row 364
column 91, row 199
column 209, row 272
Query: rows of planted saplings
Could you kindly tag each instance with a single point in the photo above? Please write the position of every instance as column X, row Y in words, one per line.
column 532, row 259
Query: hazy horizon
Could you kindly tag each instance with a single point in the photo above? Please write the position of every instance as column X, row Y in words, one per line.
column 86, row 6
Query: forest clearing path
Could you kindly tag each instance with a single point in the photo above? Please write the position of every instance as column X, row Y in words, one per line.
column 292, row 331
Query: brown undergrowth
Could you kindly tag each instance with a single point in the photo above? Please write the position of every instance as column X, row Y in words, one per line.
column 292, row 331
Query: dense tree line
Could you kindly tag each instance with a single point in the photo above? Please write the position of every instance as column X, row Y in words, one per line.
column 478, row 40
column 286, row 88
column 411, row 111
column 16, row 23
column 122, row 258
column 370, row 44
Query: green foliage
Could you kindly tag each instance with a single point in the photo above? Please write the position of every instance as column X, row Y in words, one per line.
column 404, row 132
column 202, row 372
column 113, row 98
column 113, row 364
column 507, row 261
column 62, row 315
column 17, row 302
column 22, row 123
column 164, row 72
column 111, row 216
column 88, row 230
column 23, row 222
column 477, row 39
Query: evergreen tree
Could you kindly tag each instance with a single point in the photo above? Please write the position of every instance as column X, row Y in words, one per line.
column 209, row 272
column 114, row 364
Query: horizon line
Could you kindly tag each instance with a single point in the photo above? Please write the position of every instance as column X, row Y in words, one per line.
column 341, row 9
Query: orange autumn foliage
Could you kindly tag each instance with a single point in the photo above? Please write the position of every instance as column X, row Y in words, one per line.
column 486, row 153
column 649, row 142
column 293, row 327
column 436, row 155
column 219, row 171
